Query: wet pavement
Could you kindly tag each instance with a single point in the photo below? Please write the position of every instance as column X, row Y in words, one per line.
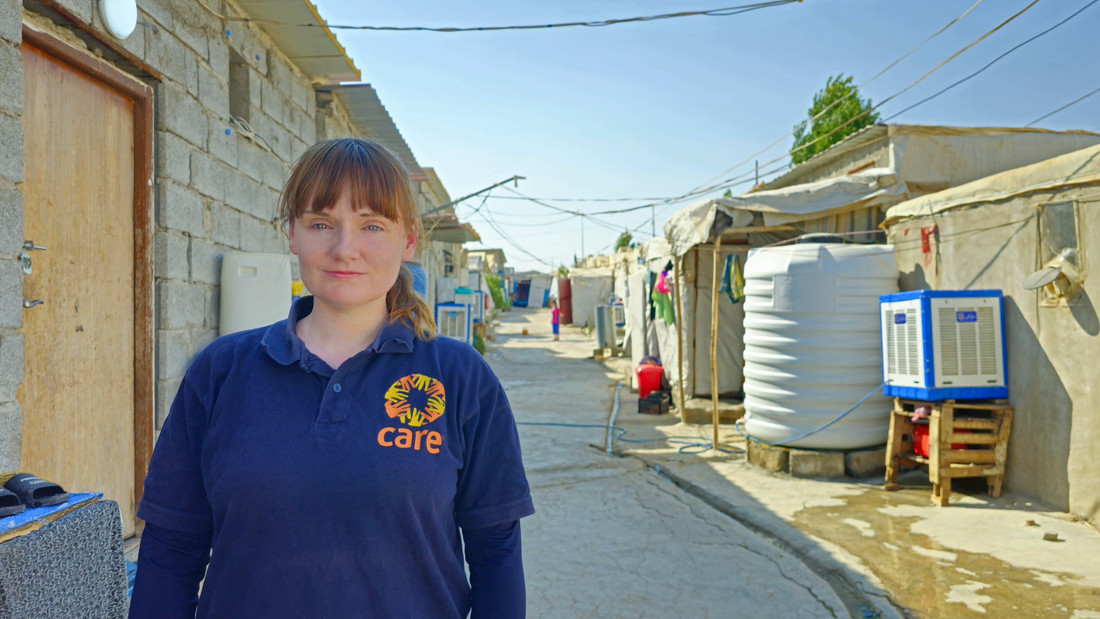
column 667, row 527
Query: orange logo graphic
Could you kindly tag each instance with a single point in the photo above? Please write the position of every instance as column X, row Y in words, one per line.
column 399, row 407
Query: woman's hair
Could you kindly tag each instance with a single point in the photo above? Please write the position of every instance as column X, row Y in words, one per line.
column 375, row 178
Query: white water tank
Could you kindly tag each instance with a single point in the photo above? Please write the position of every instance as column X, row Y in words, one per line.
column 812, row 343
column 255, row 291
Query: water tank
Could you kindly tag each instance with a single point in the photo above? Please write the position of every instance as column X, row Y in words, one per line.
column 255, row 291
column 812, row 343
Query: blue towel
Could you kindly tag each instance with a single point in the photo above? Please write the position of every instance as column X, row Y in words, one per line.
column 37, row 513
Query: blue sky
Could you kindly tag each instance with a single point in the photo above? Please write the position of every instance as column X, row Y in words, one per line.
column 656, row 109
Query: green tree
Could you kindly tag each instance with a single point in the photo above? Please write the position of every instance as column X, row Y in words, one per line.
column 624, row 240
column 842, row 114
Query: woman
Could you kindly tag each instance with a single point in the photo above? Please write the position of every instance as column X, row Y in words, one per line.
column 326, row 464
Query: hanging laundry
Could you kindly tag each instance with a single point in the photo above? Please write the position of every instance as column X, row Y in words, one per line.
column 662, row 300
column 733, row 281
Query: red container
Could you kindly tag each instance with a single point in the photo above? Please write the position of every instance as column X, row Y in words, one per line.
column 565, row 300
column 922, row 440
column 649, row 378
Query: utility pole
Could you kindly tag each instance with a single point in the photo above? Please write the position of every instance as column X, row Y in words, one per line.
column 517, row 178
column 582, row 238
column 653, row 219
column 756, row 176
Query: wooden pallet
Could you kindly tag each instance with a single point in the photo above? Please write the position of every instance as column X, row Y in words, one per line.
column 978, row 451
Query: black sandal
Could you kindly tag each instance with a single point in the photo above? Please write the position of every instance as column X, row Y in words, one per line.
column 36, row 492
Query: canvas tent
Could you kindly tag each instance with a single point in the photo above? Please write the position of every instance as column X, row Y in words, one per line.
column 590, row 287
column 994, row 233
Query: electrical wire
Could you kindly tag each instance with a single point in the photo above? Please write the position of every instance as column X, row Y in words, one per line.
column 1074, row 102
column 721, row 12
column 995, row 60
column 737, row 424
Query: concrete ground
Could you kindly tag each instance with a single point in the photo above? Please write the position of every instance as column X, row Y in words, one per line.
column 667, row 527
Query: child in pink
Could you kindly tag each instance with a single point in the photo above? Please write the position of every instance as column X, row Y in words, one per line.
column 555, row 318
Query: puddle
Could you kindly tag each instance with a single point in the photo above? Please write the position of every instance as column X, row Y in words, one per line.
column 932, row 580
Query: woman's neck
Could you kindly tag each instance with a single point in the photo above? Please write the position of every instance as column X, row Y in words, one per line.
column 336, row 335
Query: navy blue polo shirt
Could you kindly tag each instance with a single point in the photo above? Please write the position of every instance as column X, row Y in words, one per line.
column 336, row 493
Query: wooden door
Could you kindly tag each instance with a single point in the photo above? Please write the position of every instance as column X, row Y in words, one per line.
column 78, row 391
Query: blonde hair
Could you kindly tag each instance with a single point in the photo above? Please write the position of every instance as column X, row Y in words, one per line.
column 374, row 177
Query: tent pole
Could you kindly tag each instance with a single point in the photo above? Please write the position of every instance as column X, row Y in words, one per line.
column 679, row 334
column 714, row 337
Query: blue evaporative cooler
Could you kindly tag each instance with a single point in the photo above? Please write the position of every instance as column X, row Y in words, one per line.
column 944, row 345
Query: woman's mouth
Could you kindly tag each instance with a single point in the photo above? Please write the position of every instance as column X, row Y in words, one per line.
column 343, row 274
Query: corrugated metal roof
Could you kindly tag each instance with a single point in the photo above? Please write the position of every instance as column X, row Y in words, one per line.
column 367, row 111
column 305, row 38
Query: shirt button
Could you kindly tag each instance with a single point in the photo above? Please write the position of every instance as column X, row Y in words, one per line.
column 337, row 387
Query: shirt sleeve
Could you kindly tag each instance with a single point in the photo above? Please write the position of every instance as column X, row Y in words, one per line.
column 492, row 486
column 175, row 495
column 497, row 585
column 170, row 566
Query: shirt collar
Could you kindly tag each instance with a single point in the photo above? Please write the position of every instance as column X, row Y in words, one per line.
column 284, row 346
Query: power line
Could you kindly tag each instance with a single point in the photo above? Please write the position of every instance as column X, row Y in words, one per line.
column 995, row 60
column 721, row 12
column 1074, row 102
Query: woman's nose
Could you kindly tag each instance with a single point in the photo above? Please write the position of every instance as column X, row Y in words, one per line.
column 345, row 242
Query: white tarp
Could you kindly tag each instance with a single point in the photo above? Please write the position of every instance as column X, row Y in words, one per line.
column 536, row 296
column 1081, row 167
column 830, row 196
column 589, row 287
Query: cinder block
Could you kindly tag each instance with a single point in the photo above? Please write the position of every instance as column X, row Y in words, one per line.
column 214, row 91
column 174, row 351
column 255, row 234
column 866, row 462
column 275, row 172
column 223, row 144
column 167, row 54
column 271, row 101
column 11, row 364
column 11, row 18
column 203, row 339
column 213, row 308
column 174, row 157
column 11, row 435
column 701, row 410
column 171, row 255
column 226, row 224
column 206, row 262
column 179, row 208
column 182, row 114
column 11, row 79
column 11, row 148
column 250, row 158
column 11, row 220
column 166, row 393
column 180, row 305
column 218, row 53
column 208, row 176
column 11, row 294
column 82, row 9
column 768, row 457
column 160, row 11
column 806, row 463
column 192, row 24
column 245, row 195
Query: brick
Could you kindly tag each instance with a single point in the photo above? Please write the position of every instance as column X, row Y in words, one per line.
column 194, row 27
column 297, row 148
column 820, row 464
column 279, row 73
column 255, row 234
column 173, row 353
column 214, row 91
column 160, row 12
column 166, row 53
column 223, row 142
column 11, row 294
column 179, row 208
column 11, row 148
column 243, row 194
column 219, row 53
column 226, row 226
column 170, row 255
column 275, row 173
column 208, row 176
column 271, row 101
column 11, row 220
column 865, row 463
column 182, row 115
column 302, row 94
column 11, row 364
column 11, row 436
column 255, row 88
column 206, row 262
column 213, row 309
column 204, row 338
column 180, row 305
column 250, row 158
column 11, row 18
column 11, row 79
column 189, row 79
column 166, row 393
column 174, row 157
column 769, row 458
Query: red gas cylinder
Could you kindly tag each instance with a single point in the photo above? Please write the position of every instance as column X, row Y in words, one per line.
column 649, row 378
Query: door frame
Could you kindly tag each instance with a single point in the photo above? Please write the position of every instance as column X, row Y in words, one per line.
column 142, row 96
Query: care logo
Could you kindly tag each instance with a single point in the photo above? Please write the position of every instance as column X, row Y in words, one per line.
column 415, row 400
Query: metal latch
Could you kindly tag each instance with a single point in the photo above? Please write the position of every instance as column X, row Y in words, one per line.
column 29, row 304
column 25, row 258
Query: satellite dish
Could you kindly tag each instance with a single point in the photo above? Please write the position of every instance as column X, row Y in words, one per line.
column 1042, row 277
column 120, row 16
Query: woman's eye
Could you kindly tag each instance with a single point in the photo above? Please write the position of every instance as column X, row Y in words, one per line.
column 320, row 226
column 373, row 227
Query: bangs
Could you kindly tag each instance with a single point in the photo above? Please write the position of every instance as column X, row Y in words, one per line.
column 373, row 178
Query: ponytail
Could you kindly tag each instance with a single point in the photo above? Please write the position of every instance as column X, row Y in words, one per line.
column 408, row 307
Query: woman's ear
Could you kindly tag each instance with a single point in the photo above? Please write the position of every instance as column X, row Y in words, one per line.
column 410, row 244
column 290, row 232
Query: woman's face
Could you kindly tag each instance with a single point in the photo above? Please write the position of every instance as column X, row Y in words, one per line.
column 350, row 258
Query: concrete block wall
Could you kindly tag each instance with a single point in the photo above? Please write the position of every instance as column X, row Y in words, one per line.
column 11, row 232
column 217, row 186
